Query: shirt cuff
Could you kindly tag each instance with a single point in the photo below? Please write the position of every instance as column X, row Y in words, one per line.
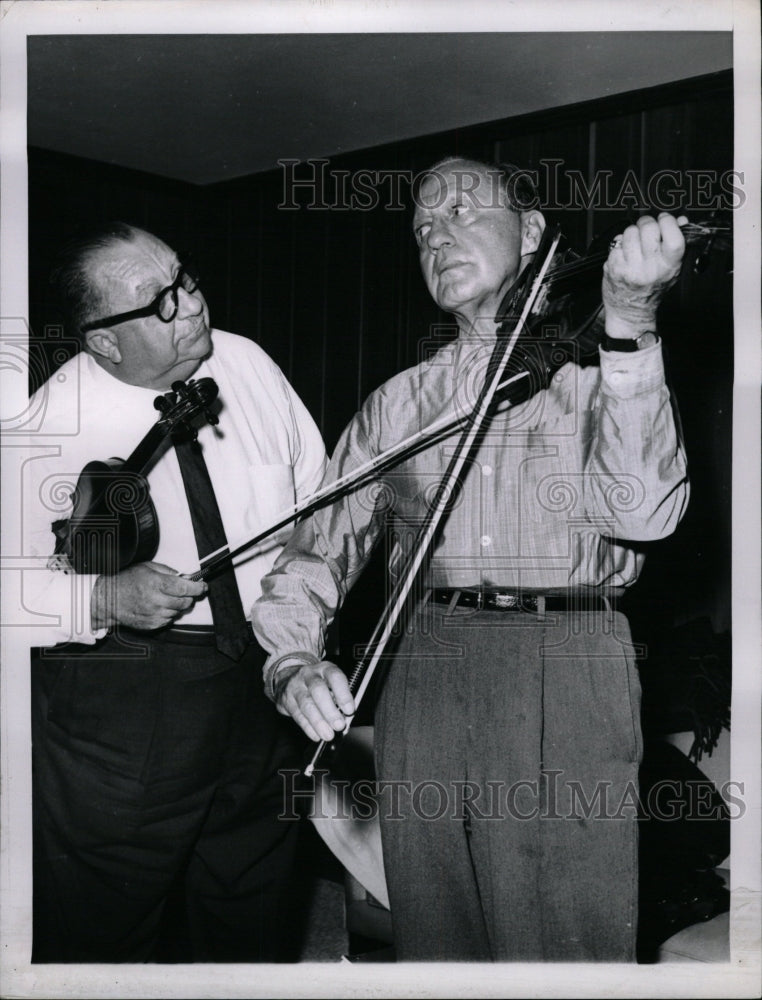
column 70, row 594
column 632, row 373
column 273, row 665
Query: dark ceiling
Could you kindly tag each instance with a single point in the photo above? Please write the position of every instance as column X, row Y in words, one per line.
column 206, row 108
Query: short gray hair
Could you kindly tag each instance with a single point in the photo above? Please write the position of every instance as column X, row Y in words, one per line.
column 70, row 278
column 516, row 183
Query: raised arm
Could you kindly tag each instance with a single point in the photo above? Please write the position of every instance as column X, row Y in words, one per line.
column 636, row 473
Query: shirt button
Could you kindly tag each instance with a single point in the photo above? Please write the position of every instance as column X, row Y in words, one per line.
column 486, row 540
column 486, row 470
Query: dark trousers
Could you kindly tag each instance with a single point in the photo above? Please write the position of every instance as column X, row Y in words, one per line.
column 156, row 770
column 507, row 748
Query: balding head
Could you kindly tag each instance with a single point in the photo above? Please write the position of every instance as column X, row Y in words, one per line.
column 71, row 280
column 473, row 239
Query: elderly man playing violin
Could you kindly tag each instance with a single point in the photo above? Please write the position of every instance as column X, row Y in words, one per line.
column 155, row 749
column 507, row 737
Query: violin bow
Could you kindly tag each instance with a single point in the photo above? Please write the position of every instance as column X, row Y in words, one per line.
column 476, row 421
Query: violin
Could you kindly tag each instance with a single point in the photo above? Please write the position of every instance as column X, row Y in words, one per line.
column 113, row 522
column 566, row 322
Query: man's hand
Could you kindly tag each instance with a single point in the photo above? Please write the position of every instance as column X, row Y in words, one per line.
column 643, row 263
column 147, row 596
column 316, row 696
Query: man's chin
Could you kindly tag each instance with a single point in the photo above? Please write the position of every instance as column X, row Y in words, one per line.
column 451, row 295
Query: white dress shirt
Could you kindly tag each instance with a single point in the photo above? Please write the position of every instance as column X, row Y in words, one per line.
column 265, row 455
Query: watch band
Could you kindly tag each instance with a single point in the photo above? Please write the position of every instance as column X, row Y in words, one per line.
column 646, row 339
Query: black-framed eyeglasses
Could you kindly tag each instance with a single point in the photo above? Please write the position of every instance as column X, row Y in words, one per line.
column 164, row 306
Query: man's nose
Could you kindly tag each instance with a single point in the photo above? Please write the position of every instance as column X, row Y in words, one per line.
column 439, row 235
column 189, row 303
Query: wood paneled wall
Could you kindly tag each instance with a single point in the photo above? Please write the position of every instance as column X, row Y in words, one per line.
column 336, row 298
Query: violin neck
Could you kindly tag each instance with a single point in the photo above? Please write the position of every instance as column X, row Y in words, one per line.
column 146, row 450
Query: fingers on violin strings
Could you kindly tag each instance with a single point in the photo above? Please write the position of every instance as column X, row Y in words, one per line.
column 649, row 233
column 616, row 243
column 673, row 240
column 631, row 241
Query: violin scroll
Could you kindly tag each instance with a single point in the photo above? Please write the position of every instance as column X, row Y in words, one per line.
column 185, row 402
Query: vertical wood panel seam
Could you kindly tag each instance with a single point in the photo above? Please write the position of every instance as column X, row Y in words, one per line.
column 592, row 138
column 361, row 309
column 292, row 297
column 324, row 347
column 260, row 262
column 643, row 132
column 229, row 268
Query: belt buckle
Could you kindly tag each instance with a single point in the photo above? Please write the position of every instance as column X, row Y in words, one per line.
column 505, row 601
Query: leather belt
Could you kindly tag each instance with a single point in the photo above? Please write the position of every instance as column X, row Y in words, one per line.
column 187, row 635
column 532, row 603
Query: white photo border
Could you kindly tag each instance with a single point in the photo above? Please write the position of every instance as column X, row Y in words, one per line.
column 740, row 977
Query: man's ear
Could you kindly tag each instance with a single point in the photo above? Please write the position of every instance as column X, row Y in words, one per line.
column 532, row 226
column 104, row 344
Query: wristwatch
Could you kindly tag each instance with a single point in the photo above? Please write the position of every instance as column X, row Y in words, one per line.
column 646, row 339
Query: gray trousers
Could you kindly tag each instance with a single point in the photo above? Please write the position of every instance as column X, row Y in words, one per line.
column 507, row 751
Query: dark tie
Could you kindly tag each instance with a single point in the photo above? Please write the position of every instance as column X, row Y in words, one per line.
column 225, row 601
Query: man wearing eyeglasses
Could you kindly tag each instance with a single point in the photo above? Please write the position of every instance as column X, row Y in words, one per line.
column 156, row 752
